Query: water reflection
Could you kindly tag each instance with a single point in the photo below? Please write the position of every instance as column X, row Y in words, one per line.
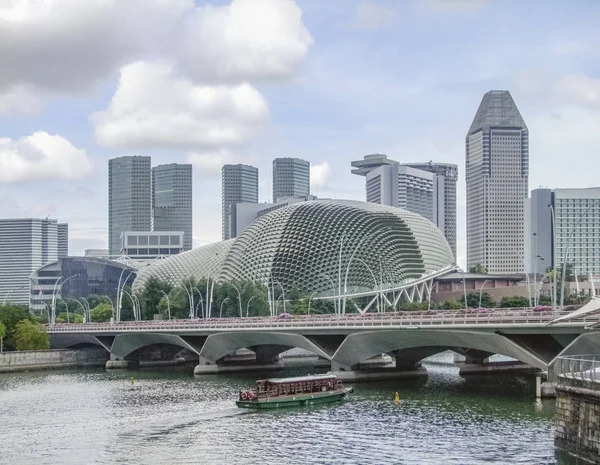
column 97, row 417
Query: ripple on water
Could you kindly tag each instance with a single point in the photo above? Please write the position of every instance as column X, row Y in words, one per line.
column 99, row 418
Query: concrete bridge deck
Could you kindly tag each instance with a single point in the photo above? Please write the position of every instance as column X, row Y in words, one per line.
column 350, row 340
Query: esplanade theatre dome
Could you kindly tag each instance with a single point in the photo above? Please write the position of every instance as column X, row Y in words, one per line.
column 315, row 245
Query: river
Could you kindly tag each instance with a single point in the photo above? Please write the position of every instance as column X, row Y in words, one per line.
column 170, row 417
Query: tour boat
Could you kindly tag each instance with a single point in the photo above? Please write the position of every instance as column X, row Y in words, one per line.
column 293, row 392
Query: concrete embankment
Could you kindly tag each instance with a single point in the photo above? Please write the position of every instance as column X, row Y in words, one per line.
column 51, row 359
column 577, row 418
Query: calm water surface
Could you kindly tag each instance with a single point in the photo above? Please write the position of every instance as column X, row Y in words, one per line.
column 97, row 417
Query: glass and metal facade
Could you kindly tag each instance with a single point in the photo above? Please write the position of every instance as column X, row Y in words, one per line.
column 497, row 173
column 172, row 200
column 63, row 239
column 291, row 178
column 577, row 240
column 129, row 198
column 311, row 245
column 25, row 245
column 239, row 183
column 82, row 276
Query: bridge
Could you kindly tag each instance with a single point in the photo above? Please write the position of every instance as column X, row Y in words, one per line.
column 534, row 338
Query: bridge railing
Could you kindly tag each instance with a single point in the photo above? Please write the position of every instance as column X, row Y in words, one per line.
column 404, row 319
column 582, row 367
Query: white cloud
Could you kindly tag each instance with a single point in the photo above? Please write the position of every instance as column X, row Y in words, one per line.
column 19, row 99
column 153, row 107
column 246, row 40
column 209, row 164
column 459, row 6
column 579, row 89
column 69, row 46
column 319, row 175
column 371, row 16
column 41, row 156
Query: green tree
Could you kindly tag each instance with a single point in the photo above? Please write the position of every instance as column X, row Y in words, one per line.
column 514, row 302
column 102, row 312
column 478, row 269
column 453, row 304
column 415, row 306
column 152, row 295
column 30, row 336
column 486, row 300
column 2, row 336
column 10, row 316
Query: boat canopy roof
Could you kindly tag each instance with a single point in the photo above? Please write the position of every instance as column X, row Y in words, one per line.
column 299, row 379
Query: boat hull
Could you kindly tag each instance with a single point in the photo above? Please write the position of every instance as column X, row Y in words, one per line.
column 294, row 401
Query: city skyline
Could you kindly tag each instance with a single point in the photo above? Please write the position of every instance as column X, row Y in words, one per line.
column 330, row 100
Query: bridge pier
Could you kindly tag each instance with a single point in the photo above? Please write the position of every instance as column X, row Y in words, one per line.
column 378, row 370
column 119, row 363
column 240, row 363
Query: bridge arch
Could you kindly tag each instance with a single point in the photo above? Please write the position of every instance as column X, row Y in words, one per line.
column 361, row 346
column 126, row 344
column 70, row 340
column 219, row 345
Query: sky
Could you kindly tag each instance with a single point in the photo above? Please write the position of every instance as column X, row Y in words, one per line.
column 246, row 81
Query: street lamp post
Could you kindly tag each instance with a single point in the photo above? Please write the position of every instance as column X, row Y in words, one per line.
column 464, row 287
column 553, row 253
column 552, row 291
column 311, row 296
column 221, row 307
column 168, row 303
column 239, row 299
column 534, row 264
column 248, row 305
column 9, row 292
column 481, row 291
column 375, row 281
column 335, row 308
column 112, row 305
column 120, row 290
column 282, row 294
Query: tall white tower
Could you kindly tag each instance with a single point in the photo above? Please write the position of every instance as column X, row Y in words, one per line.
column 497, row 171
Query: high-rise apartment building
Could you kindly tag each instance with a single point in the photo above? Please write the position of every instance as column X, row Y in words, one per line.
column 291, row 178
column 239, row 183
column 577, row 240
column 428, row 189
column 172, row 200
column 25, row 245
column 444, row 213
column 63, row 240
column 497, row 171
column 129, row 198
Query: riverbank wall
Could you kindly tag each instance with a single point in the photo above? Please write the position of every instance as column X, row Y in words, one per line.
column 577, row 418
column 30, row 360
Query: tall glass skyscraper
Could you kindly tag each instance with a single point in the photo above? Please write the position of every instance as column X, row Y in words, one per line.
column 239, row 183
column 497, row 173
column 172, row 200
column 129, row 198
column 25, row 245
column 291, row 178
